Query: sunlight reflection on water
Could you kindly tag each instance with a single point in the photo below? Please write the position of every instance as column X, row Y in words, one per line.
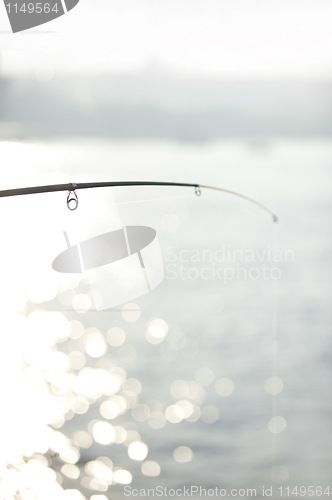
column 162, row 381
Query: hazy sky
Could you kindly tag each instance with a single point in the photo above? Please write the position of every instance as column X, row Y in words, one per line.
column 227, row 38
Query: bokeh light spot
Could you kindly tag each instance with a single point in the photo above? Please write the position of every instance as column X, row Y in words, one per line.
column 131, row 312
column 150, row 468
column 71, row 471
column 95, row 347
column 279, row 474
column 277, row 424
column 174, row 414
column 157, row 331
column 273, row 386
column 115, row 336
column 103, row 433
column 225, row 387
column 122, row 476
column 83, row 439
column 183, row 454
column 137, row 450
column 81, row 303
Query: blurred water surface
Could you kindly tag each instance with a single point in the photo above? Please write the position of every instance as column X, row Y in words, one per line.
column 213, row 346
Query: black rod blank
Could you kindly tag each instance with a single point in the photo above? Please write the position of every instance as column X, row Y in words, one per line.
column 71, row 187
column 87, row 185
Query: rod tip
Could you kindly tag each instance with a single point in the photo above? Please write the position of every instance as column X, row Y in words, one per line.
column 275, row 219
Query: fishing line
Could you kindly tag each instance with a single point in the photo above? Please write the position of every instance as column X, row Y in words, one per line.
column 263, row 207
column 226, row 204
column 275, row 357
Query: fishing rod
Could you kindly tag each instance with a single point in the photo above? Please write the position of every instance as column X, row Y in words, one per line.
column 72, row 198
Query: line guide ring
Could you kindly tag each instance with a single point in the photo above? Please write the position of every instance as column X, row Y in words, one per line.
column 72, row 197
